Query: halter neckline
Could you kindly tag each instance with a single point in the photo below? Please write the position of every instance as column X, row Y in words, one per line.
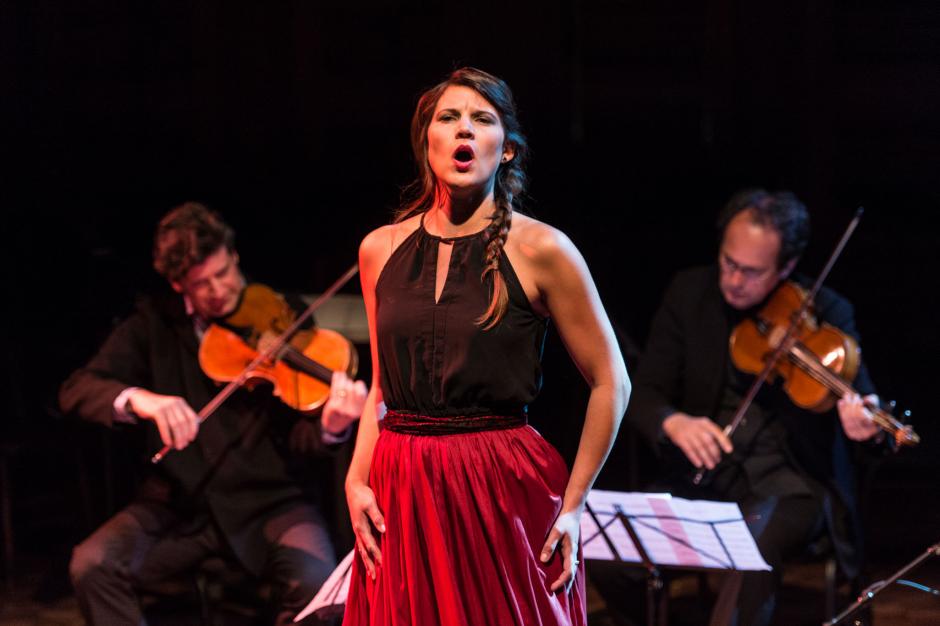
column 448, row 239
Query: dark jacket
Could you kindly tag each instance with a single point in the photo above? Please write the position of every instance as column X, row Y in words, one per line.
column 238, row 471
column 685, row 368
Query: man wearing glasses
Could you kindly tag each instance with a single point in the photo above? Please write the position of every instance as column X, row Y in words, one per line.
column 789, row 469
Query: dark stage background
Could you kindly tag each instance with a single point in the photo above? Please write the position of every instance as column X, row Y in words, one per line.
column 291, row 118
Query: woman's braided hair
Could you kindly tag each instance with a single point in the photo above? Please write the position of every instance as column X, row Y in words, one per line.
column 510, row 177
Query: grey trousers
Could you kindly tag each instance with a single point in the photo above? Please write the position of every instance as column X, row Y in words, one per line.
column 147, row 543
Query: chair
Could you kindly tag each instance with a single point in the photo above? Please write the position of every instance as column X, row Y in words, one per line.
column 217, row 592
column 822, row 550
column 226, row 590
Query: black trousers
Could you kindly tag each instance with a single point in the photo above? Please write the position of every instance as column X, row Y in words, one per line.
column 147, row 543
column 782, row 528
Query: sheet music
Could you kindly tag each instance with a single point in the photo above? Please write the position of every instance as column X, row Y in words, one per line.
column 332, row 594
column 673, row 531
column 593, row 544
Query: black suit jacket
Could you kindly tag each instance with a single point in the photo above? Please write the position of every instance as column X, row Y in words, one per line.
column 239, row 470
column 685, row 368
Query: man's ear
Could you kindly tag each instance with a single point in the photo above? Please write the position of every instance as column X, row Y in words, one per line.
column 178, row 288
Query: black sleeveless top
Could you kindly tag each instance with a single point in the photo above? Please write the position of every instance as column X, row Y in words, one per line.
column 435, row 360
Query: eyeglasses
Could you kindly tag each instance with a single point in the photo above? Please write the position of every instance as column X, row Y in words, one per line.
column 728, row 266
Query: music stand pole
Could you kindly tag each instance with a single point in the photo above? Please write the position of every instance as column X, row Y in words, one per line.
column 868, row 594
column 654, row 580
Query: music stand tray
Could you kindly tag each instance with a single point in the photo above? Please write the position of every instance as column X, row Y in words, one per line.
column 657, row 530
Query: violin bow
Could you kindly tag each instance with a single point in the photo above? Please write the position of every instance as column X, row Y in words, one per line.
column 783, row 345
column 266, row 354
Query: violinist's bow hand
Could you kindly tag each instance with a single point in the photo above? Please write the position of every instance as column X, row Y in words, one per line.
column 700, row 439
column 177, row 422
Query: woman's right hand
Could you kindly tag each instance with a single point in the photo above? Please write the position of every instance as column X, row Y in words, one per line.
column 365, row 514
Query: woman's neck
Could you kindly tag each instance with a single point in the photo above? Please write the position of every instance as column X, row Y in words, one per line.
column 458, row 215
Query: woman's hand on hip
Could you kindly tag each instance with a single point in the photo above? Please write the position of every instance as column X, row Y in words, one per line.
column 566, row 531
column 365, row 514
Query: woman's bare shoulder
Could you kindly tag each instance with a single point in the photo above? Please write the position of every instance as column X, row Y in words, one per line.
column 378, row 245
column 537, row 241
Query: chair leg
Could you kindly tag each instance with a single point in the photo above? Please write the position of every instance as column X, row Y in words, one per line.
column 831, row 569
column 6, row 522
column 205, row 602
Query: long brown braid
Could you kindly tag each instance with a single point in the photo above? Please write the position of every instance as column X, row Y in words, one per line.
column 421, row 194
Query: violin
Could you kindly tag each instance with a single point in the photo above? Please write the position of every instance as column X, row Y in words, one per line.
column 301, row 370
column 257, row 334
column 819, row 361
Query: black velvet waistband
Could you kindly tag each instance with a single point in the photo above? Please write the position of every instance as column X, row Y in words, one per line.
column 415, row 424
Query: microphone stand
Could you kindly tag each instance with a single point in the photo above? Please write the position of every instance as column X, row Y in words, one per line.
column 869, row 594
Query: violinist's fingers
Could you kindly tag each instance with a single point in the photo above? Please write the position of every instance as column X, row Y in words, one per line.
column 266, row 340
column 701, row 447
column 708, row 459
column 709, row 451
column 339, row 381
column 181, row 428
column 340, row 386
column 192, row 422
column 182, row 422
column 178, row 423
column 359, row 392
column 166, row 433
column 719, row 435
column 173, row 424
column 856, row 419
column 345, row 404
column 692, row 454
column 849, row 401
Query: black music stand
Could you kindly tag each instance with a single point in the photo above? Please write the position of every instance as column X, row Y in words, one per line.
column 739, row 552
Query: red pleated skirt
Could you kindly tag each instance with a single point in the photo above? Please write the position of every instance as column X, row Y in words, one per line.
column 466, row 517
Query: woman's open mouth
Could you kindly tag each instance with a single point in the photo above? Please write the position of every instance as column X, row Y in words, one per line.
column 463, row 158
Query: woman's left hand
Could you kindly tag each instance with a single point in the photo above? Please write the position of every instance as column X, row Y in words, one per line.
column 567, row 531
